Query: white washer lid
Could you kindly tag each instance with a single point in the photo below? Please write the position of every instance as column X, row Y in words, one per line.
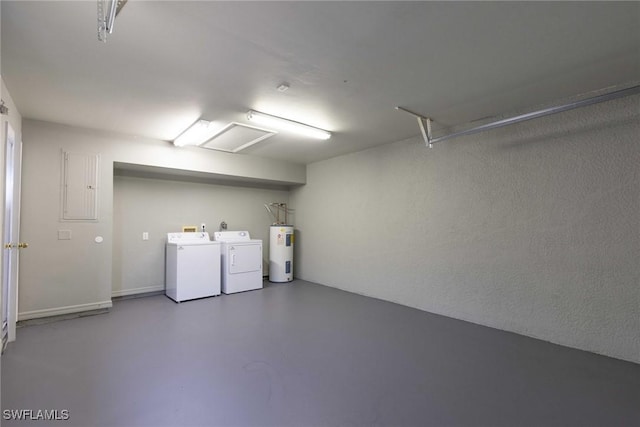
column 188, row 238
column 231, row 236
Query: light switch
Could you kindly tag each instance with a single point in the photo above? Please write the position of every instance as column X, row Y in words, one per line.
column 64, row 234
column 145, row 235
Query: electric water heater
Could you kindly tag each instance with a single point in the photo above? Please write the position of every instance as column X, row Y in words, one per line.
column 281, row 253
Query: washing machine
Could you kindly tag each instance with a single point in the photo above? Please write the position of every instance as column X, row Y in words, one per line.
column 241, row 261
column 190, row 271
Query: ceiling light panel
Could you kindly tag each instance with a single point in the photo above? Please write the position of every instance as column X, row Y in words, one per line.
column 236, row 137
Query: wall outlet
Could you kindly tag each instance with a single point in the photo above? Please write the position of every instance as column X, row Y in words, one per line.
column 64, row 234
column 145, row 235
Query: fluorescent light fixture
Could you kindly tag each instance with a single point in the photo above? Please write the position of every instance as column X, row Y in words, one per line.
column 199, row 132
column 289, row 125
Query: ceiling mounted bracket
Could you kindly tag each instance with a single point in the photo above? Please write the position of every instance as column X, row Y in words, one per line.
column 425, row 122
column 425, row 126
column 107, row 12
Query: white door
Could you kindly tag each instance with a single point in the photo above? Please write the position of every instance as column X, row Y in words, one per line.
column 10, row 235
column 245, row 258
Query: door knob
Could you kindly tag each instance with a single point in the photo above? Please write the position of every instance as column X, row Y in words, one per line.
column 23, row 245
column 8, row 245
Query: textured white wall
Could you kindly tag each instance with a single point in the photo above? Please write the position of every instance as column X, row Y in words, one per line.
column 75, row 275
column 160, row 206
column 532, row 228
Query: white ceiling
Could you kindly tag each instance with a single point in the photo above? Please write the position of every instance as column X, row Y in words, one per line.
column 349, row 64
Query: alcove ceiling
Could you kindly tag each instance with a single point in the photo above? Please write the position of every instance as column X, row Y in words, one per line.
column 347, row 64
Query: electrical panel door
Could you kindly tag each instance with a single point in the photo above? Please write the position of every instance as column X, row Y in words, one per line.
column 80, row 187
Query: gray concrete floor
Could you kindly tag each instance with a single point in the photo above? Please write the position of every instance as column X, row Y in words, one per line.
column 302, row 354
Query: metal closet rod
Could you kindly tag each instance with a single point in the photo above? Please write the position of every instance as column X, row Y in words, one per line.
column 425, row 122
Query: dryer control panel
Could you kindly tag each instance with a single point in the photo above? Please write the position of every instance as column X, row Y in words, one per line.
column 231, row 236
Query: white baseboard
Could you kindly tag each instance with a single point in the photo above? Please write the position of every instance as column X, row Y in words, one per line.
column 134, row 291
column 48, row 312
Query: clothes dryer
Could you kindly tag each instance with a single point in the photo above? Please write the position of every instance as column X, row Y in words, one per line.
column 241, row 261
